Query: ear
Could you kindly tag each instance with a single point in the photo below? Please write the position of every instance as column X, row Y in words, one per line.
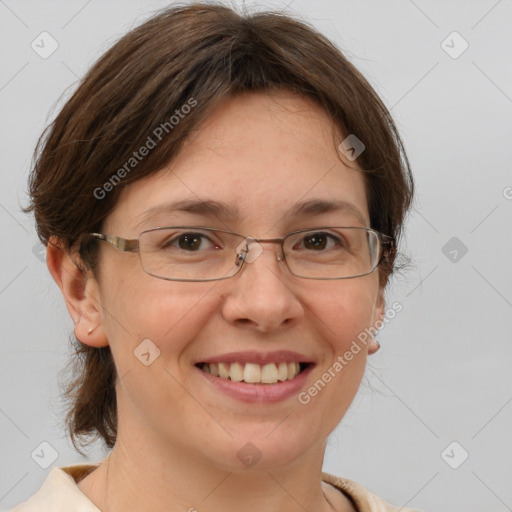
column 379, row 312
column 81, row 293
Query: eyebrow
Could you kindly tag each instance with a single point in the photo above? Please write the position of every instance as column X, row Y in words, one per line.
column 219, row 209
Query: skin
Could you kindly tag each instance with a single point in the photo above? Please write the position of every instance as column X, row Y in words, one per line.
column 178, row 437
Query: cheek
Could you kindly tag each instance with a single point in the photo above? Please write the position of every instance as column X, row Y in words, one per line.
column 170, row 314
column 345, row 310
column 341, row 313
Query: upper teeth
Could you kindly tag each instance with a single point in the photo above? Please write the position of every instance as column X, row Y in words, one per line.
column 253, row 373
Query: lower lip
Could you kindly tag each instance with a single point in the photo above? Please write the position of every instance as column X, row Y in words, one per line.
column 259, row 393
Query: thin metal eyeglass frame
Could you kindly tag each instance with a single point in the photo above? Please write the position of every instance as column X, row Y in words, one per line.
column 386, row 246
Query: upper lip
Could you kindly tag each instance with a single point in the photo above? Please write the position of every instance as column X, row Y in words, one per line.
column 258, row 357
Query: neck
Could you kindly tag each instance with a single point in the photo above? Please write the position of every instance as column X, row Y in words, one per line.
column 139, row 475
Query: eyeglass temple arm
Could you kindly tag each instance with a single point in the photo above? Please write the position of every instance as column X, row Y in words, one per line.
column 122, row 244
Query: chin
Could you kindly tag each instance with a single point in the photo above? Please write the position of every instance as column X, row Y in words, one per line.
column 262, row 446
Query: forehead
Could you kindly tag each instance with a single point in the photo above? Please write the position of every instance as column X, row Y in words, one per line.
column 259, row 154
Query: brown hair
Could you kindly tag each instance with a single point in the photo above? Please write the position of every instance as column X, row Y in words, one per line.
column 196, row 55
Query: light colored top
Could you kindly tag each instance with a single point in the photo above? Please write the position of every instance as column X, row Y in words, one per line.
column 60, row 493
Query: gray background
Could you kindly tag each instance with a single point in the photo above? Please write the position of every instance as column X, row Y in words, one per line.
column 443, row 373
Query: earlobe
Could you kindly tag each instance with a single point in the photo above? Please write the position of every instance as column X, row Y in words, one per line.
column 81, row 294
column 90, row 334
column 378, row 320
column 373, row 346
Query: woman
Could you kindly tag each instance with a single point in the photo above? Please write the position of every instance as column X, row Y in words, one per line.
column 221, row 201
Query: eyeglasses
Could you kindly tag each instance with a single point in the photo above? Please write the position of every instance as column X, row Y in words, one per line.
column 185, row 253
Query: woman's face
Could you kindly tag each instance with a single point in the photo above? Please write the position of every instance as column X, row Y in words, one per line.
column 260, row 155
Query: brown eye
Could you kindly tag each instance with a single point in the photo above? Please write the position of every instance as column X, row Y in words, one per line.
column 316, row 241
column 320, row 241
column 190, row 242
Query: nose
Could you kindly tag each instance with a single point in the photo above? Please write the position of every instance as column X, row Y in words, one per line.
column 262, row 295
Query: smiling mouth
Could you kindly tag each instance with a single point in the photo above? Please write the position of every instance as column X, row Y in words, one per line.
column 252, row 373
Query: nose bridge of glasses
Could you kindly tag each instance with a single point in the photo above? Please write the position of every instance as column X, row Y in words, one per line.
column 250, row 248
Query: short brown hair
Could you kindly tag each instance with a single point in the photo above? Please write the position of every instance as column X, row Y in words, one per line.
column 205, row 53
